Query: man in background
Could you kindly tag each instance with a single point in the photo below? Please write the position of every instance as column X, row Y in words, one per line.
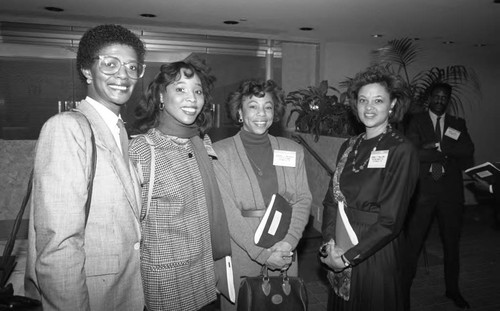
column 445, row 150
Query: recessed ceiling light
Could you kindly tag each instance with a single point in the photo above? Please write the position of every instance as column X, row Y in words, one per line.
column 377, row 35
column 53, row 9
column 231, row 22
column 149, row 15
column 306, row 28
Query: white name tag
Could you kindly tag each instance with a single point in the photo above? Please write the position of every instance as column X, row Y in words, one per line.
column 378, row 159
column 452, row 133
column 284, row 158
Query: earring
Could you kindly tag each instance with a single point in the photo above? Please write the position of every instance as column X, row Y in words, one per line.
column 161, row 106
column 240, row 120
column 390, row 111
column 89, row 81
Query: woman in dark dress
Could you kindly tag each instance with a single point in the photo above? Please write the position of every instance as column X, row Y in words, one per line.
column 373, row 182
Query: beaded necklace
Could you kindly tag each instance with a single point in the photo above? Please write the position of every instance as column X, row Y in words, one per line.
column 356, row 146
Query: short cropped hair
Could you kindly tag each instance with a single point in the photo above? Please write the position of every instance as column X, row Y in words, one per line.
column 99, row 37
column 440, row 85
column 257, row 88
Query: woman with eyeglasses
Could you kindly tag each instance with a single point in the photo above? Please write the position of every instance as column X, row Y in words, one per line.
column 184, row 227
column 79, row 259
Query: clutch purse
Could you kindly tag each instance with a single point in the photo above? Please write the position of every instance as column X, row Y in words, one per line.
column 345, row 238
column 272, row 293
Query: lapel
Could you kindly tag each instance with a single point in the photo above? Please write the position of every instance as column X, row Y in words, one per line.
column 247, row 166
column 104, row 139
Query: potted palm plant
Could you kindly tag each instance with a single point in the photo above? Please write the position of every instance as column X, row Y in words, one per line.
column 399, row 54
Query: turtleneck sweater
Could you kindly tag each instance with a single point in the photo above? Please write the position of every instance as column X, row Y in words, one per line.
column 260, row 154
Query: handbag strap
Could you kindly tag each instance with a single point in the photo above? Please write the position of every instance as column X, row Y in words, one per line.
column 151, row 175
column 264, row 272
column 92, row 172
column 17, row 223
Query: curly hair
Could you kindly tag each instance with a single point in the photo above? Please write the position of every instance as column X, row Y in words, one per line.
column 257, row 88
column 393, row 83
column 148, row 111
column 99, row 37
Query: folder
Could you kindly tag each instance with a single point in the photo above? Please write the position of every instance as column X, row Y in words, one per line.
column 345, row 237
column 274, row 225
column 225, row 278
column 487, row 171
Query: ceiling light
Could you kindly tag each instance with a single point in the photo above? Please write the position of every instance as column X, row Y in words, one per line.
column 377, row 35
column 53, row 9
column 149, row 15
column 231, row 22
column 306, row 28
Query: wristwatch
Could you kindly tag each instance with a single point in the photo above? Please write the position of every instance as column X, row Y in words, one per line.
column 345, row 261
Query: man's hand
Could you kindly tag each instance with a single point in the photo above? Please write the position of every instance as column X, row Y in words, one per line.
column 431, row 145
column 481, row 184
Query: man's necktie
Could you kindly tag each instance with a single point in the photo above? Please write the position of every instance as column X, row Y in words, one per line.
column 123, row 140
column 437, row 168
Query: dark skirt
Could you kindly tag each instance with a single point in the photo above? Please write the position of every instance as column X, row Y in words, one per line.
column 376, row 283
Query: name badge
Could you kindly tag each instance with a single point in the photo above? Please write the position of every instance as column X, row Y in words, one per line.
column 378, row 159
column 284, row 158
column 452, row 133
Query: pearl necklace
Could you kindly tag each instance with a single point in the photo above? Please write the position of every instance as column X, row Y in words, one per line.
column 356, row 147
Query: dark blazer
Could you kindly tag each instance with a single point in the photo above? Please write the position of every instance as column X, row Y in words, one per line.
column 456, row 155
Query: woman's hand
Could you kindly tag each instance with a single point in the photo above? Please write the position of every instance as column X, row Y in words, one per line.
column 333, row 260
column 281, row 247
column 279, row 260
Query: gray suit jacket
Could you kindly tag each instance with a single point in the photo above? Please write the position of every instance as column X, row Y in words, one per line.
column 71, row 266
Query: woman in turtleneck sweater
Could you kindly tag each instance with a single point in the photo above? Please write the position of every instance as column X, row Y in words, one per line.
column 251, row 167
column 184, row 228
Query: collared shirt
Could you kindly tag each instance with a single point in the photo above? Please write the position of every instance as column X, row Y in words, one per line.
column 441, row 125
column 441, row 121
column 109, row 118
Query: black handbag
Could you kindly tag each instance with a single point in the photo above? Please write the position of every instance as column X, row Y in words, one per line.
column 266, row 293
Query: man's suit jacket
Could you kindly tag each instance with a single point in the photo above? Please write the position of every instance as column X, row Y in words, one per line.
column 456, row 155
column 73, row 265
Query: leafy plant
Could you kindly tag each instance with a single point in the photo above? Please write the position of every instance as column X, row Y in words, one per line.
column 399, row 54
column 320, row 113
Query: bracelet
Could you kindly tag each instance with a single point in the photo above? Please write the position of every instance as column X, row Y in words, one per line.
column 345, row 261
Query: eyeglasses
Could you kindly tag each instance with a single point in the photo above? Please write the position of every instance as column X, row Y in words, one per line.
column 109, row 65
